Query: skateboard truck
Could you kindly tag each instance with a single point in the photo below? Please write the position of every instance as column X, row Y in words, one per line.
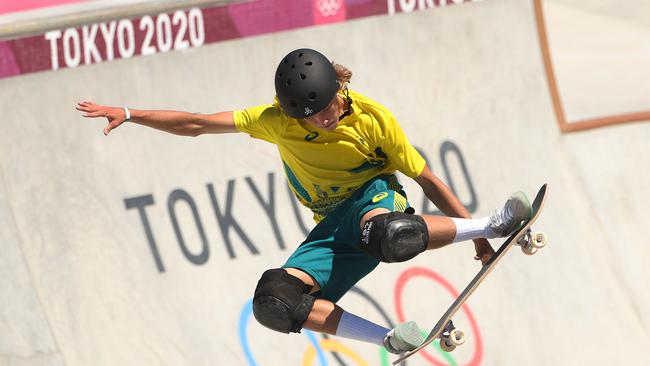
column 451, row 337
column 530, row 242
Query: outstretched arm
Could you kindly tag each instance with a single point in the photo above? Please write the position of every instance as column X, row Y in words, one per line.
column 179, row 123
column 450, row 205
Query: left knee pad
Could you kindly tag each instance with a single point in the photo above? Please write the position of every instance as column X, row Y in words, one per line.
column 281, row 301
column 394, row 237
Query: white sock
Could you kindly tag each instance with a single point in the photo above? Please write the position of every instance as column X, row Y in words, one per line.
column 470, row 229
column 360, row 329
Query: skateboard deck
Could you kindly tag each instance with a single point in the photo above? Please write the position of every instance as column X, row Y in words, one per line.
column 529, row 242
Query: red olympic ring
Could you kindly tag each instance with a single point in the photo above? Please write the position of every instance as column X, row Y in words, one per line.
column 424, row 272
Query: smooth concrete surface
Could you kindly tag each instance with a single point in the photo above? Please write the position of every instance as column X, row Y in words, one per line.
column 93, row 271
column 600, row 53
column 26, row 335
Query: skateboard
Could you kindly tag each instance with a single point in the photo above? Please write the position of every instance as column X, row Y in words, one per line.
column 450, row 336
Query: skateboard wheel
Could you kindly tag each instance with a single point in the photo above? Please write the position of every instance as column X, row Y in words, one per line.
column 446, row 345
column 539, row 240
column 457, row 337
column 528, row 249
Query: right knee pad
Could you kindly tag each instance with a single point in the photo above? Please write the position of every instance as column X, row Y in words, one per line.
column 281, row 301
column 394, row 237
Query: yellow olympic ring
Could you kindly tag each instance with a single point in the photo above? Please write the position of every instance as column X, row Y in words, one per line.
column 334, row 346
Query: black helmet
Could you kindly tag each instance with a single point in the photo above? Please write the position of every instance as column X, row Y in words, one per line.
column 305, row 83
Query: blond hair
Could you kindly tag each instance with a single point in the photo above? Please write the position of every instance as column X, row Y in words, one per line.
column 343, row 75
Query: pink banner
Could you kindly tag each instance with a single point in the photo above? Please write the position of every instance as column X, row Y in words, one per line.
column 165, row 32
column 328, row 11
column 23, row 5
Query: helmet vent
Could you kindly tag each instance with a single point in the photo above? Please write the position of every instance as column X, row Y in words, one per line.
column 293, row 66
column 303, row 76
column 300, row 54
column 309, row 63
column 311, row 96
column 279, row 75
column 288, row 82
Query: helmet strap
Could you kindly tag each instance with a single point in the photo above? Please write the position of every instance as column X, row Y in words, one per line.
column 349, row 110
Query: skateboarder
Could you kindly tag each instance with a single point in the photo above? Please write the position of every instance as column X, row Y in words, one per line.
column 340, row 151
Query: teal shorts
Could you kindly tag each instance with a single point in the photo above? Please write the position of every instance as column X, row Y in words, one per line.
column 331, row 253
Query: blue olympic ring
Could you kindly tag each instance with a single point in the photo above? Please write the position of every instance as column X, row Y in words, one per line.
column 243, row 337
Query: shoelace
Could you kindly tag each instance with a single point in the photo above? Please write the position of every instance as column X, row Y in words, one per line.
column 500, row 216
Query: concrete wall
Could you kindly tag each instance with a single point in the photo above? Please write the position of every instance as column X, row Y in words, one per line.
column 93, row 271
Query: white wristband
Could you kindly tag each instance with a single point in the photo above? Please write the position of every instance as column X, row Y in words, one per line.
column 128, row 114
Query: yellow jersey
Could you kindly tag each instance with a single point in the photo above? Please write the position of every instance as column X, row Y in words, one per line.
column 325, row 167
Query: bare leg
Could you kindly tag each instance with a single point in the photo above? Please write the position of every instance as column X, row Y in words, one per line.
column 325, row 315
column 441, row 231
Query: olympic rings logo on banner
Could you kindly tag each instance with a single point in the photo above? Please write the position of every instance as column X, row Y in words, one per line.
column 329, row 8
column 316, row 348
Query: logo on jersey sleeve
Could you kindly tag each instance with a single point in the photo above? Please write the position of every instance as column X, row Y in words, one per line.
column 311, row 136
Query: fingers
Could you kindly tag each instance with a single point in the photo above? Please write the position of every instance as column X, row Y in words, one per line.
column 110, row 127
column 93, row 114
column 85, row 105
column 483, row 258
column 90, row 108
column 93, row 110
column 88, row 105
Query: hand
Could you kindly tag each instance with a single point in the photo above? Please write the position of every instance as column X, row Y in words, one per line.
column 484, row 250
column 114, row 115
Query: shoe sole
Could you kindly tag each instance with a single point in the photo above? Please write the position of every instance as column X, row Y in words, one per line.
column 408, row 334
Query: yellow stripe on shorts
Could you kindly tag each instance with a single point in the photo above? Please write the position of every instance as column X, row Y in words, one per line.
column 399, row 203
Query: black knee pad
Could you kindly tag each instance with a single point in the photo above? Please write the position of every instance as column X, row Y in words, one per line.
column 281, row 301
column 394, row 237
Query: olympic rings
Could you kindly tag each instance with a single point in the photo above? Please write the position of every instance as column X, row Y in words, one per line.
column 316, row 348
column 329, row 8
column 424, row 272
column 334, row 346
column 243, row 337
